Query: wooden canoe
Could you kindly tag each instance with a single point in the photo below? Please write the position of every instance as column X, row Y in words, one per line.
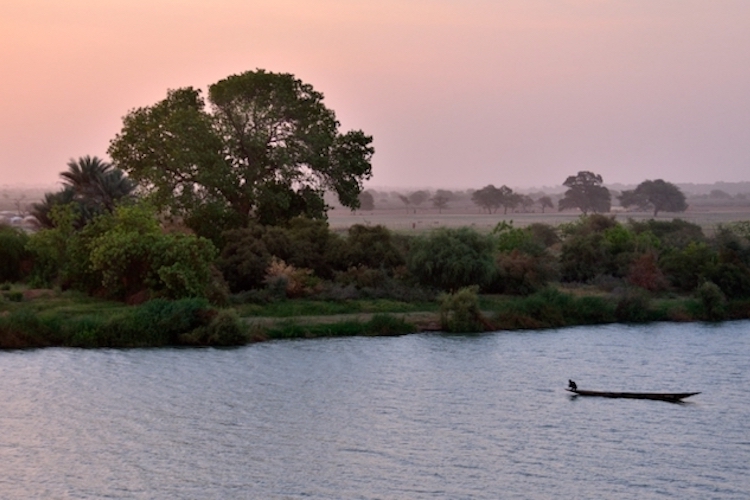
column 673, row 397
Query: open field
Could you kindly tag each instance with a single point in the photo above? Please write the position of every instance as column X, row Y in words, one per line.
column 426, row 219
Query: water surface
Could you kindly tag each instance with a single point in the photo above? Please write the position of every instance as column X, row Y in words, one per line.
column 417, row 417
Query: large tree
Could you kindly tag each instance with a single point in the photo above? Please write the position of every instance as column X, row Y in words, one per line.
column 586, row 192
column 488, row 198
column 266, row 149
column 441, row 199
column 491, row 198
column 659, row 195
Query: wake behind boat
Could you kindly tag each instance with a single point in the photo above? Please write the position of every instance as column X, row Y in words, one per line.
column 672, row 397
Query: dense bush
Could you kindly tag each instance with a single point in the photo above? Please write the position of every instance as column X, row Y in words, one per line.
column 156, row 323
column 302, row 243
column 713, row 301
column 122, row 254
column 686, row 267
column 553, row 308
column 676, row 233
column 459, row 312
column 521, row 273
column 371, row 248
column 13, row 254
column 449, row 259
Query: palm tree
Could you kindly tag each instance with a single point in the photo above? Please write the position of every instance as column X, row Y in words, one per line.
column 91, row 183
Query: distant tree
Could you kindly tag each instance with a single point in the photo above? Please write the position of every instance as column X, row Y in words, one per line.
column 419, row 197
column 526, row 202
column 488, row 198
column 508, row 199
column 366, row 201
column 658, row 194
column 585, row 192
column 629, row 198
column 441, row 199
column 406, row 201
column 718, row 194
column 545, row 202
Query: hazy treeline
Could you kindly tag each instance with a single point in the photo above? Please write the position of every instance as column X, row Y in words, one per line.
column 535, row 200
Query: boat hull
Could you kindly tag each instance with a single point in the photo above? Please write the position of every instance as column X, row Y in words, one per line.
column 659, row 396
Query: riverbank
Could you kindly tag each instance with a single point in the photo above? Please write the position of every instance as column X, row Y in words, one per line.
column 47, row 318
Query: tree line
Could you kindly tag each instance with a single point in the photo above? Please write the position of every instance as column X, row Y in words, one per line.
column 225, row 201
column 585, row 192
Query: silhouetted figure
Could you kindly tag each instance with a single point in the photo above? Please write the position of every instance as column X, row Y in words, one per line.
column 572, row 385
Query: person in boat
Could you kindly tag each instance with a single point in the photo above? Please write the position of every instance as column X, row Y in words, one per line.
column 572, row 385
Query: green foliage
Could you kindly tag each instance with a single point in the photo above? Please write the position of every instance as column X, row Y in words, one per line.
column 634, row 307
column 132, row 254
column 121, row 254
column 510, row 238
column 371, row 247
column 13, row 253
column 153, row 324
column 225, row 329
column 585, row 192
column 551, row 308
column 449, row 259
column 60, row 255
column 386, row 325
column 91, row 185
column 459, row 311
column 543, row 234
column 303, row 243
column 713, row 301
column 644, row 272
column 521, row 273
column 686, row 268
column 676, row 233
column 597, row 246
column 523, row 264
column 266, row 151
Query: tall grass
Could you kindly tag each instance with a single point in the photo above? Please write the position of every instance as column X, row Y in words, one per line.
column 380, row 325
column 153, row 324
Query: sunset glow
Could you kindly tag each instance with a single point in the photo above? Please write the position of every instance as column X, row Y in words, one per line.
column 455, row 93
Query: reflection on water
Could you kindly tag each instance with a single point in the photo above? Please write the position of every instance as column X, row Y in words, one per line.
column 422, row 416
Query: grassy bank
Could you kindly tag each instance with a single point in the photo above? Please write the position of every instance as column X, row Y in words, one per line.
column 29, row 320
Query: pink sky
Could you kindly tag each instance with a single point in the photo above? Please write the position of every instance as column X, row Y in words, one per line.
column 457, row 93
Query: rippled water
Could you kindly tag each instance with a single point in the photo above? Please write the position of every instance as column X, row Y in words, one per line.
column 421, row 416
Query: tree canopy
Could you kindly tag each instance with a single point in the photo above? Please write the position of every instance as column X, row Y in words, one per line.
column 267, row 149
column 585, row 192
column 491, row 198
column 659, row 195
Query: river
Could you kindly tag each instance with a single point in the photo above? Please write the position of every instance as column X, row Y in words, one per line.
column 424, row 416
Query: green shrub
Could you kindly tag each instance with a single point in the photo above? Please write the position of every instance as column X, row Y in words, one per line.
column 634, row 307
column 520, row 273
column 383, row 325
column 225, row 329
column 13, row 253
column 449, row 259
column 552, row 308
column 713, row 301
column 459, row 312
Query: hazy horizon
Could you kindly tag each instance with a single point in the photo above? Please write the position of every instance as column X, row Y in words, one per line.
column 462, row 94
